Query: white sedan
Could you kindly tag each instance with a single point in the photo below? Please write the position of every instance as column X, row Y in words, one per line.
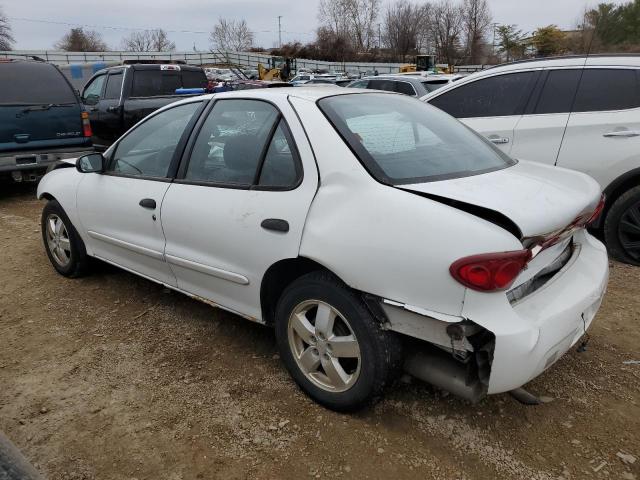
column 374, row 232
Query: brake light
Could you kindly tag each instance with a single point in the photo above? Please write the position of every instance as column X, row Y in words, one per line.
column 598, row 211
column 490, row 271
column 86, row 125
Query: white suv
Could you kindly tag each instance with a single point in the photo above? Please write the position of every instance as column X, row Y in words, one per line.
column 574, row 112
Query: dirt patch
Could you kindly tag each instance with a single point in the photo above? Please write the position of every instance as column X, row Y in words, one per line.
column 111, row 377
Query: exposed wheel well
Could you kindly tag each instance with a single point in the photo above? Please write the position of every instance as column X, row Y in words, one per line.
column 615, row 189
column 276, row 279
column 47, row 196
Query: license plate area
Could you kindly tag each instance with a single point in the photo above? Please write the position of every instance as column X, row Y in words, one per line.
column 26, row 160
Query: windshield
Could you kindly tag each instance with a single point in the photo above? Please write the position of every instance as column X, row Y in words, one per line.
column 33, row 83
column 432, row 85
column 401, row 140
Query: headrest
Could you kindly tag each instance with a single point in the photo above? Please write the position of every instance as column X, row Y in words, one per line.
column 241, row 153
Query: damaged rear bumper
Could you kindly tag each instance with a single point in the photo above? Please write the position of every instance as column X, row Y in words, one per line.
column 504, row 345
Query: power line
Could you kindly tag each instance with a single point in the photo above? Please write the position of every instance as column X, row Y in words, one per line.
column 120, row 27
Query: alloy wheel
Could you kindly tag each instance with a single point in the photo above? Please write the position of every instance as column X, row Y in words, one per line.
column 58, row 240
column 324, row 346
column 629, row 231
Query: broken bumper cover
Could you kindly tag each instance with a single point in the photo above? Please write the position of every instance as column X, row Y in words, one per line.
column 532, row 334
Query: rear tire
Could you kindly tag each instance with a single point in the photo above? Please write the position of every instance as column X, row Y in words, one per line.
column 332, row 346
column 622, row 227
column 63, row 244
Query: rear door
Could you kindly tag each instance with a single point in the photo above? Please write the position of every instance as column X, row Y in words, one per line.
column 603, row 133
column 492, row 106
column 240, row 202
column 38, row 108
column 539, row 132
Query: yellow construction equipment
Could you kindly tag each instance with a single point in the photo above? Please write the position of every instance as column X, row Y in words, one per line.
column 270, row 74
column 424, row 63
column 280, row 68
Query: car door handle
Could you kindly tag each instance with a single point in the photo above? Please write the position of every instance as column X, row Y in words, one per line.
column 275, row 224
column 622, row 133
column 93, row 109
column 113, row 109
column 498, row 140
column 149, row 203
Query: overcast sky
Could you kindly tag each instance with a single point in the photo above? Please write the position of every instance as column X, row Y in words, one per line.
column 189, row 20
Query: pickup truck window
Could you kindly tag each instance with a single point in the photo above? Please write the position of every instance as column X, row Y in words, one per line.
column 151, row 83
column 114, row 87
column 33, row 83
column 94, row 89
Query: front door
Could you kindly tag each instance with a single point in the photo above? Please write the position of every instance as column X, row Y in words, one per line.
column 240, row 202
column 109, row 125
column 120, row 208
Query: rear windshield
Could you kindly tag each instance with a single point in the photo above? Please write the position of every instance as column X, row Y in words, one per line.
column 33, row 83
column 151, row 83
column 402, row 140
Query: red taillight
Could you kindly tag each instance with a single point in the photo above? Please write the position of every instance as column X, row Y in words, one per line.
column 490, row 271
column 596, row 213
column 86, row 125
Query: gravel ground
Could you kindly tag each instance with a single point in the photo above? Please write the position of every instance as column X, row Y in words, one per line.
column 113, row 377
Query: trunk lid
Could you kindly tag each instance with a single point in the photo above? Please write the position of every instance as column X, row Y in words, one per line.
column 539, row 199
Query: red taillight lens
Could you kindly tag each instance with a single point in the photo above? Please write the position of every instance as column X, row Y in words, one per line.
column 596, row 213
column 490, row 271
column 86, row 125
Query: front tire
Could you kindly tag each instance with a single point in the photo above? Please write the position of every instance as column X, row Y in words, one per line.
column 332, row 346
column 63, row 245
column 622, row 227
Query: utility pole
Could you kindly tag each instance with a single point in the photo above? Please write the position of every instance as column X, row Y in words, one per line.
column 279, row 32
column 493, row 46
column 379, row 37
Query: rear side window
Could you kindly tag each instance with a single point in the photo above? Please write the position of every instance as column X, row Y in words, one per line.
column 558, row 92
column 279, row 168
column 406, row 88
column 607, row 89
column 230, row 145
column 32, row 83
column 114, row 87
column 498, row 96
column 387, row 85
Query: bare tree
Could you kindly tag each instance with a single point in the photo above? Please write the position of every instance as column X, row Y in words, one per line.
column 476, row 20
column 447, row 27
column 333, row 16
column 362, row 15
column 231, row 35
column 403, row 24
column 78, row 40
column 6, row 37
column 148, row 41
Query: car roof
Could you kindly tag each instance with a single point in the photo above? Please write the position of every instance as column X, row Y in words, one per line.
column 404, row 78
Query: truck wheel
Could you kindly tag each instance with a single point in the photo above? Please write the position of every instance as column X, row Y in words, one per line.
column 622, row 227
column 64, row 247
column 332, row 346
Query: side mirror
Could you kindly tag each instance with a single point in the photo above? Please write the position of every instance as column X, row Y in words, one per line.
column 91, row 163
column 91, row 100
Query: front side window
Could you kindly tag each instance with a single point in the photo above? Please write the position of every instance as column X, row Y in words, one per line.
column 94, row 89
column 498, row 96
column 114, row 86
column 148, row 150
column 401, row 140
column 607, row 89
column 359, row 84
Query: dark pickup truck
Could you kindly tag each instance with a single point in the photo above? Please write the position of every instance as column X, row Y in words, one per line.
column 41, row 120
column 119, row 97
